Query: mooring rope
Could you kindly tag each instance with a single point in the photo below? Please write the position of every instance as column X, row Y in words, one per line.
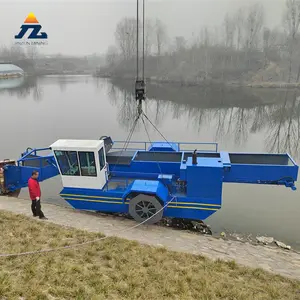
column 83, row 243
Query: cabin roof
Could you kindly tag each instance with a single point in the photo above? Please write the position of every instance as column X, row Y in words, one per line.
column 77, row 145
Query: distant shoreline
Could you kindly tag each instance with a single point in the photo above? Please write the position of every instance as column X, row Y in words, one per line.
column 185, row 83
column 261, row 84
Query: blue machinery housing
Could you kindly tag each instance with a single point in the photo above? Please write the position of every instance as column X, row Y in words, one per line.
column 142, row 180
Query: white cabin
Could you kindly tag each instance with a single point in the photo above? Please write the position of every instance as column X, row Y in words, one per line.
column 81, row 163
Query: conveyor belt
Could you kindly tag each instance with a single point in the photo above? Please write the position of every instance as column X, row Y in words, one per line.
column 159, row 156
column 207, row 155
column 260, row 159
column 119, row 157
column 35, row 163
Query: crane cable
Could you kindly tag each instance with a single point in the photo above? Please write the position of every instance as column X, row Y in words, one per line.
column 139, row 108
column 144, row 40
column 157, row 130
column 137, row 42
column 140, row 112
column 127, row 141
column 159, row 167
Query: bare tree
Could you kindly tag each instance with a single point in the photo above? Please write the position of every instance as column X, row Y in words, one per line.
column 126, row 37
column 292, row 17
column 275, row 39
column 16, row 53
column 32, row 52
column 253, row 25
column 229, row 27
column 205, row 37
column 215, row 36
column 239, row 21
column 204, row 55
column 4, row 53
column 149, row 37
column 111, row 56
column 180, row 43
column 160, row 36
column 292, row 22
column 242, row 47
column 266, row 39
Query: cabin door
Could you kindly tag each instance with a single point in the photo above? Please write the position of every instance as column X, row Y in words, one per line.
column 103, row 169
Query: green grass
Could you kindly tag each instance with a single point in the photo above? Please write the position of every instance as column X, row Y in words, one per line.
column 120, row 269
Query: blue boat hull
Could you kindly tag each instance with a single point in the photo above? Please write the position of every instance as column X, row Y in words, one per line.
column 115, row 202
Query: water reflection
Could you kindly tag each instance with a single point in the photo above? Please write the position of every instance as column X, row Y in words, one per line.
column 23, row 88
column 234, row 114
column 30, row 85
column 283, row 128
column 11, row 83
column 276, row 114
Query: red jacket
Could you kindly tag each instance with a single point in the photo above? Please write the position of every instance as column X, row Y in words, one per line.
column 34, row 188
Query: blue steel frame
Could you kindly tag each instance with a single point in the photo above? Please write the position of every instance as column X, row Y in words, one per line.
column 204, row 181
column 16, row 177
column 32, row 152
column 206, row 195
column 116, row 201
column 274, row 174
column 215, row 145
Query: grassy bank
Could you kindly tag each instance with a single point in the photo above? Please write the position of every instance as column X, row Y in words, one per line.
column 119, row 269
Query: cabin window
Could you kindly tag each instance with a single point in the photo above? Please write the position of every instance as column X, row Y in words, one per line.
column 68, row 162
column 101, row 158
column 87, row 163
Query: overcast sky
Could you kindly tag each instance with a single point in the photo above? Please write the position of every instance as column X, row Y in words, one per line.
column 86, row 27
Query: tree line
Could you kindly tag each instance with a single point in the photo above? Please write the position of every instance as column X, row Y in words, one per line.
column 242, row 46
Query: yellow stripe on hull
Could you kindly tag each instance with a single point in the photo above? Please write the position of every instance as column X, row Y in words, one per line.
column 189, row 207
column 115, row 202
column 196, row 203
column 100, row 201
column 86, row 196
column 114, row 198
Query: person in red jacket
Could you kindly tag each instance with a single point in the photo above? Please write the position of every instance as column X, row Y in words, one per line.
column 35, row 195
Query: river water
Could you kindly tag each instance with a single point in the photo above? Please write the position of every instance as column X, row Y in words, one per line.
column 37, row 112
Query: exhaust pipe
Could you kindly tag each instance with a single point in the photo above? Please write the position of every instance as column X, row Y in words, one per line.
column 195, row 157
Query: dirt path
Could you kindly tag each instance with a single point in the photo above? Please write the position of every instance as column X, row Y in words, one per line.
column 286, row 263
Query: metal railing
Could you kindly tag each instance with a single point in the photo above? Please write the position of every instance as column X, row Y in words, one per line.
column 214, row 147
column 182, row 146
column 25, row 156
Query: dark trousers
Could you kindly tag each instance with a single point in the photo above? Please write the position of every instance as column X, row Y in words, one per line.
column 36, row 208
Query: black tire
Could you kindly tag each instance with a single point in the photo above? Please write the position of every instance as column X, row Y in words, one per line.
column 142, row 207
